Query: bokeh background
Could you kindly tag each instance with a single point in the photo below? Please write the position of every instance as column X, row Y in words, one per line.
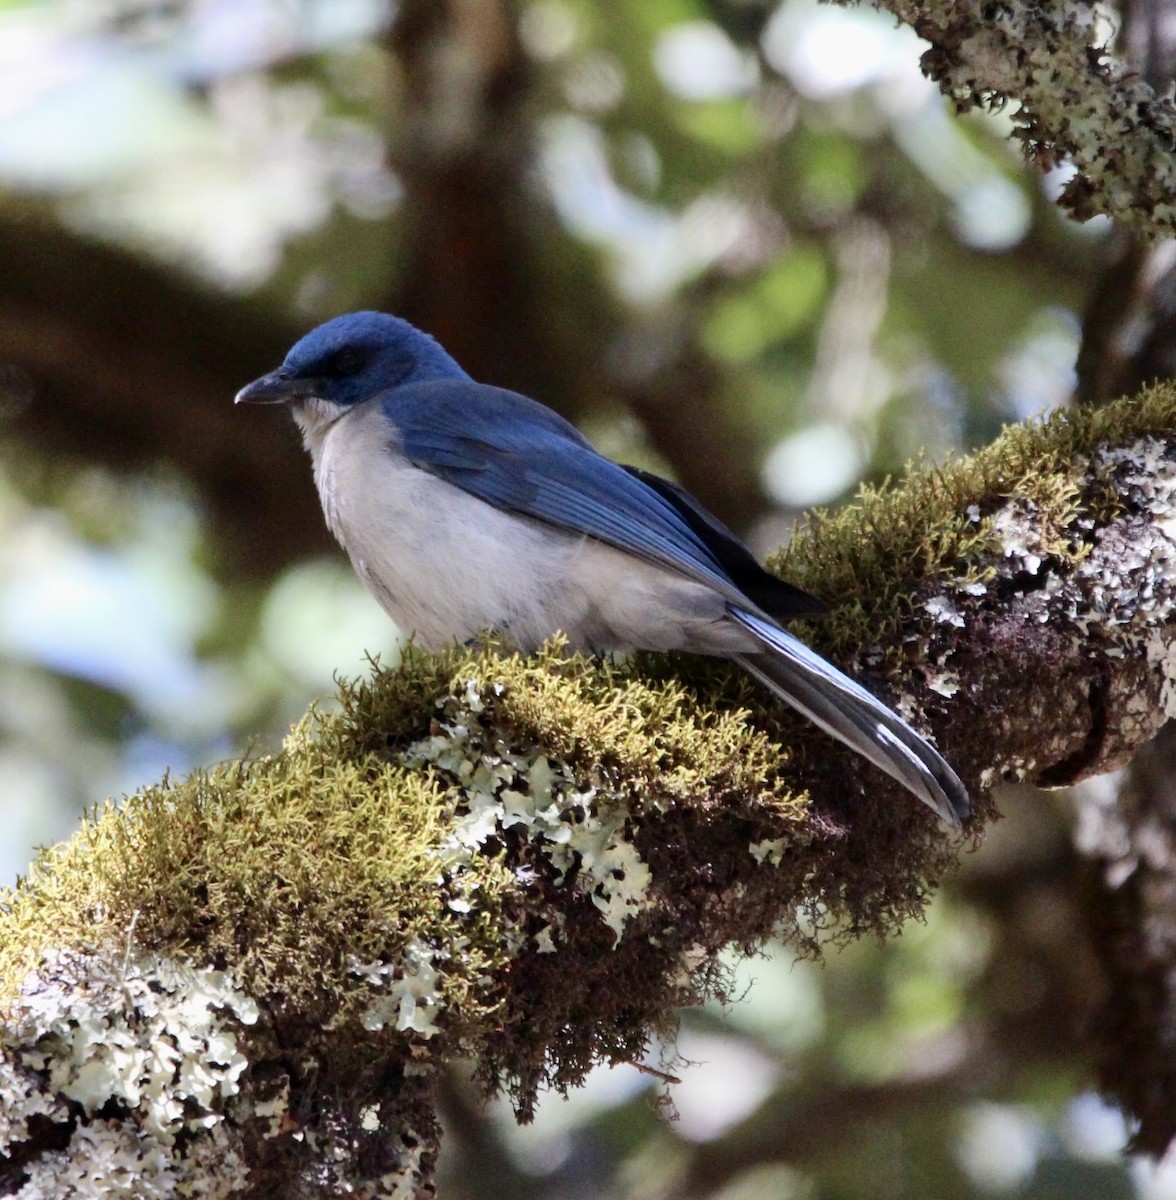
column 740, row 242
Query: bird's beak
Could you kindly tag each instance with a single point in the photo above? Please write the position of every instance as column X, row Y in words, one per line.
column 276, row 388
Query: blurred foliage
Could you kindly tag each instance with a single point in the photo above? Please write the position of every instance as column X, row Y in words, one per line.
column 760, row 255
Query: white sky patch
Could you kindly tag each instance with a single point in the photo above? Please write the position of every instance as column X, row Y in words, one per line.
column 999, row 1147
column 726, row 1080
column 1153, row 1181
column 654, row 248
column 544, row 1146
column 266, row 164
column 549, row 29
column 1038, row 373
column 1095, row 1129
column 318, row 620
column 596, row 83
column 991, row 212
column 220, row 186
column 104, row 115
column 814, row 465
column 698, row 61
column 231, row 35
column 575, row 165
column 828, row 51
column 125, row 618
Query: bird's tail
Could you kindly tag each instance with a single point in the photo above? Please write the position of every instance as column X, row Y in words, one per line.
column 849, row 713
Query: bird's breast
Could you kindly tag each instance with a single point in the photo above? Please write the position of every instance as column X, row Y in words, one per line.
column 442, row 563
column 446, row 565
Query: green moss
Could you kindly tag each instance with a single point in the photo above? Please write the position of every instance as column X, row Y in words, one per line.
column 290, row 868
column 877, row 559
column 281, row 868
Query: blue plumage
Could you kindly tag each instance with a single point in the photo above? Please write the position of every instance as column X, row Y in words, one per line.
column 520, row 456
column 465, row 507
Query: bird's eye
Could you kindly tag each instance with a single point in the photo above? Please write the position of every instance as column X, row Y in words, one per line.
column 348, row 361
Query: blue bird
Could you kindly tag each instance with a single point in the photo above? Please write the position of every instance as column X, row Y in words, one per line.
column 465, row 507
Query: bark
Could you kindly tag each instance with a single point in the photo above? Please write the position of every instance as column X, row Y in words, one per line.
column 1130, row 844
column 1127, row 836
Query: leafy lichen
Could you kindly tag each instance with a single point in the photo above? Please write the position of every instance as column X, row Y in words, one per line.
column 1076, row 102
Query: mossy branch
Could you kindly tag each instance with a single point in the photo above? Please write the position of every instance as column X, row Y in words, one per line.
column 1075, row 102
column 246, row 982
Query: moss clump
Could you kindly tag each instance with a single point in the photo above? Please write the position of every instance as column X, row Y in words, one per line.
column 293, row 869
column 282, row 868
column 881, row 557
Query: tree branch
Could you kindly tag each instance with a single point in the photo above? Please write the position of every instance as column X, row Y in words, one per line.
column 249, row 980
column 1077, row 104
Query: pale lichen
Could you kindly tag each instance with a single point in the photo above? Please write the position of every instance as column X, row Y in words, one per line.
column 944, row 611
column 160, row 1038
column 770, row 850
column 1106, row 588
column 412, row 996
column 1072, row 101
column 155, row 1039
column 580, row 829
column 1130, row 577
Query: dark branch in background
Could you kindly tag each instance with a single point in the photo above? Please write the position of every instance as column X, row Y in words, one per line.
column 1131, row 846
column 126, row 363
column 476, row 1158
column 1129, row 843
column 1129, row 328
column 463, row 149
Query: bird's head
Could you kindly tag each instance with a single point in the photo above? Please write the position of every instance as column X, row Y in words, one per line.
column 349, row 360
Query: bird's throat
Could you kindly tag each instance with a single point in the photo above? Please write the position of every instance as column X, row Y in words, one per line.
column 314, row 418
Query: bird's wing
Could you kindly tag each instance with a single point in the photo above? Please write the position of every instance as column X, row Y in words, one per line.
column 520, row 456
column 773, row 595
